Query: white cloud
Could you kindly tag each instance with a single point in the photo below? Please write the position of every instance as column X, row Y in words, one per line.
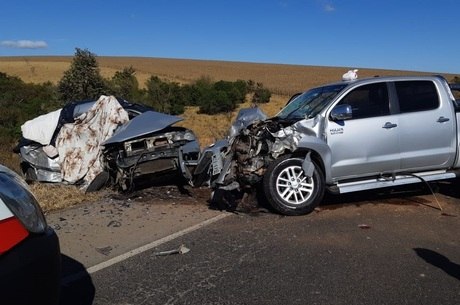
column 24, row 44
column 329, row 7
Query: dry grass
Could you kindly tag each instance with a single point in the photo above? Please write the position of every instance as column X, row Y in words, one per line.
column 55, row 196
column 282, row 80
column 210, row 128
column 8, row 158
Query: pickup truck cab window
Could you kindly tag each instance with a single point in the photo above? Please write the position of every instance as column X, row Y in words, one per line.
column 368, row 101
column 417, row 96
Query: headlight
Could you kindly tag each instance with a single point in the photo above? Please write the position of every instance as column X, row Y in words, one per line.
column 15, row 193
column 186, row 135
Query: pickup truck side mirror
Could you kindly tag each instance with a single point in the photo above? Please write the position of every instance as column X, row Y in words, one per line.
column 341, row 112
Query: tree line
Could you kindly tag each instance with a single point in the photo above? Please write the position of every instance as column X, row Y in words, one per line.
column 83, row 81
column 22, row 101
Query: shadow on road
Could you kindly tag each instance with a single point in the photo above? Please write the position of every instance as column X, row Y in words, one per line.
column 76, row 285
column 449, row 188
column 440, row 261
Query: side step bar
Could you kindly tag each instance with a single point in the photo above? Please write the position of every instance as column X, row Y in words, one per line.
column 389, row 181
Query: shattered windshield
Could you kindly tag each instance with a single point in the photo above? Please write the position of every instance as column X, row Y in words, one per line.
column 310, row 103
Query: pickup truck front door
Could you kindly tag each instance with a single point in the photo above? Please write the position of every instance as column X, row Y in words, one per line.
column 368, row 143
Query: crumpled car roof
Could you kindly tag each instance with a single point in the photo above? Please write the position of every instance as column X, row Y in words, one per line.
column 144, row 123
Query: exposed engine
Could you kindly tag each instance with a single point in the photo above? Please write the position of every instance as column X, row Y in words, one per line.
column 257, row 146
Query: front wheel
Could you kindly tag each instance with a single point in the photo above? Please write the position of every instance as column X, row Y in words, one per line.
column 289, row 190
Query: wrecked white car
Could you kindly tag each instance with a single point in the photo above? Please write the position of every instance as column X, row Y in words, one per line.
column 354, row 135
column 91, row 143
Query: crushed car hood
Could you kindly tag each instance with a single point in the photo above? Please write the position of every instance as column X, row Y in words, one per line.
column 246, row 117
column 145, row 123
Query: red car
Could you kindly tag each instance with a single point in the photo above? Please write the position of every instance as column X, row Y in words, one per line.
column 30, row 259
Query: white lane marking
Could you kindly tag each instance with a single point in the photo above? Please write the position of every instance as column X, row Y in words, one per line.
column 73, row 277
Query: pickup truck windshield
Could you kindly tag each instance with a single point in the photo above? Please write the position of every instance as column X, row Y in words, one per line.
column 310, row 103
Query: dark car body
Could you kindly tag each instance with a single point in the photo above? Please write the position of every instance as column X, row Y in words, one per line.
column 30, row 259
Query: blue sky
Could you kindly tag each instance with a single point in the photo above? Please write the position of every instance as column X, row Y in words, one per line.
column 390, row 34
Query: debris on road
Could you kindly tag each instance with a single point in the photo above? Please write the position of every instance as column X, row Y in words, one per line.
column 181, row 250
column 114, row 224
column 105, row 250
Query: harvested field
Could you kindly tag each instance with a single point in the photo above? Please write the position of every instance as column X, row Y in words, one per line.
column 280, row 79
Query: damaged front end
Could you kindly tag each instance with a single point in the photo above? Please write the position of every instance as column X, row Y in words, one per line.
column 149, row 145
column 89, row 142
column 261, row 152
column 258, row 145
column 238, row 164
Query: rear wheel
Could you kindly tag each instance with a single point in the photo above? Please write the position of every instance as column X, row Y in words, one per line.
column 287, row 188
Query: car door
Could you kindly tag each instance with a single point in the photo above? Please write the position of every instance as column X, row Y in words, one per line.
column 427, row 127
column 367, row 143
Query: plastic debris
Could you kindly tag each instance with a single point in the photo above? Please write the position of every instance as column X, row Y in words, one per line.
column 181, row 250
column 364, row 226
column 350, row 75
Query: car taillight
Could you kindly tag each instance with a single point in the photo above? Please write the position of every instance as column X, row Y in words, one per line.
column 15, row 195
column 12, row 232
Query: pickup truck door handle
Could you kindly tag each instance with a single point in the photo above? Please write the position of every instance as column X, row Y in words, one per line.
column 442, row 119
column 389, row 125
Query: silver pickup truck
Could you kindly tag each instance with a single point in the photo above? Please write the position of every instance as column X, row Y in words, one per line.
column 343, row 137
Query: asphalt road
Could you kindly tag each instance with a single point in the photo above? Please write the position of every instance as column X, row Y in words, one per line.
column 364, row 249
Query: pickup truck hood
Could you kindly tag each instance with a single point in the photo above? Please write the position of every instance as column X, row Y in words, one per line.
column 143, row 124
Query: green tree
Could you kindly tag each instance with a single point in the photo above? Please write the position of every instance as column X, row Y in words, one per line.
column 243, row 87
column 166, row 97
column 21, row 102
column 236, row 91
column 200, row 88
column 83, row 79
column 216, row 101
column 261, row 95
column 124, row 84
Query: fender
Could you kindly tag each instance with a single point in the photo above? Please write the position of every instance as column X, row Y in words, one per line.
column 321, row 149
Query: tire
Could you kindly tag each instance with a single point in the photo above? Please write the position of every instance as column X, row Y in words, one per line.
column 29, row 175
column 288, row 190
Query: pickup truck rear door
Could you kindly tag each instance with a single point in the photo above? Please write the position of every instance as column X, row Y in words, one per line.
column 368, row 143
column 427, row 127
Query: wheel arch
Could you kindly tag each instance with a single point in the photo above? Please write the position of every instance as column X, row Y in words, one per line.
column 320, row 153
